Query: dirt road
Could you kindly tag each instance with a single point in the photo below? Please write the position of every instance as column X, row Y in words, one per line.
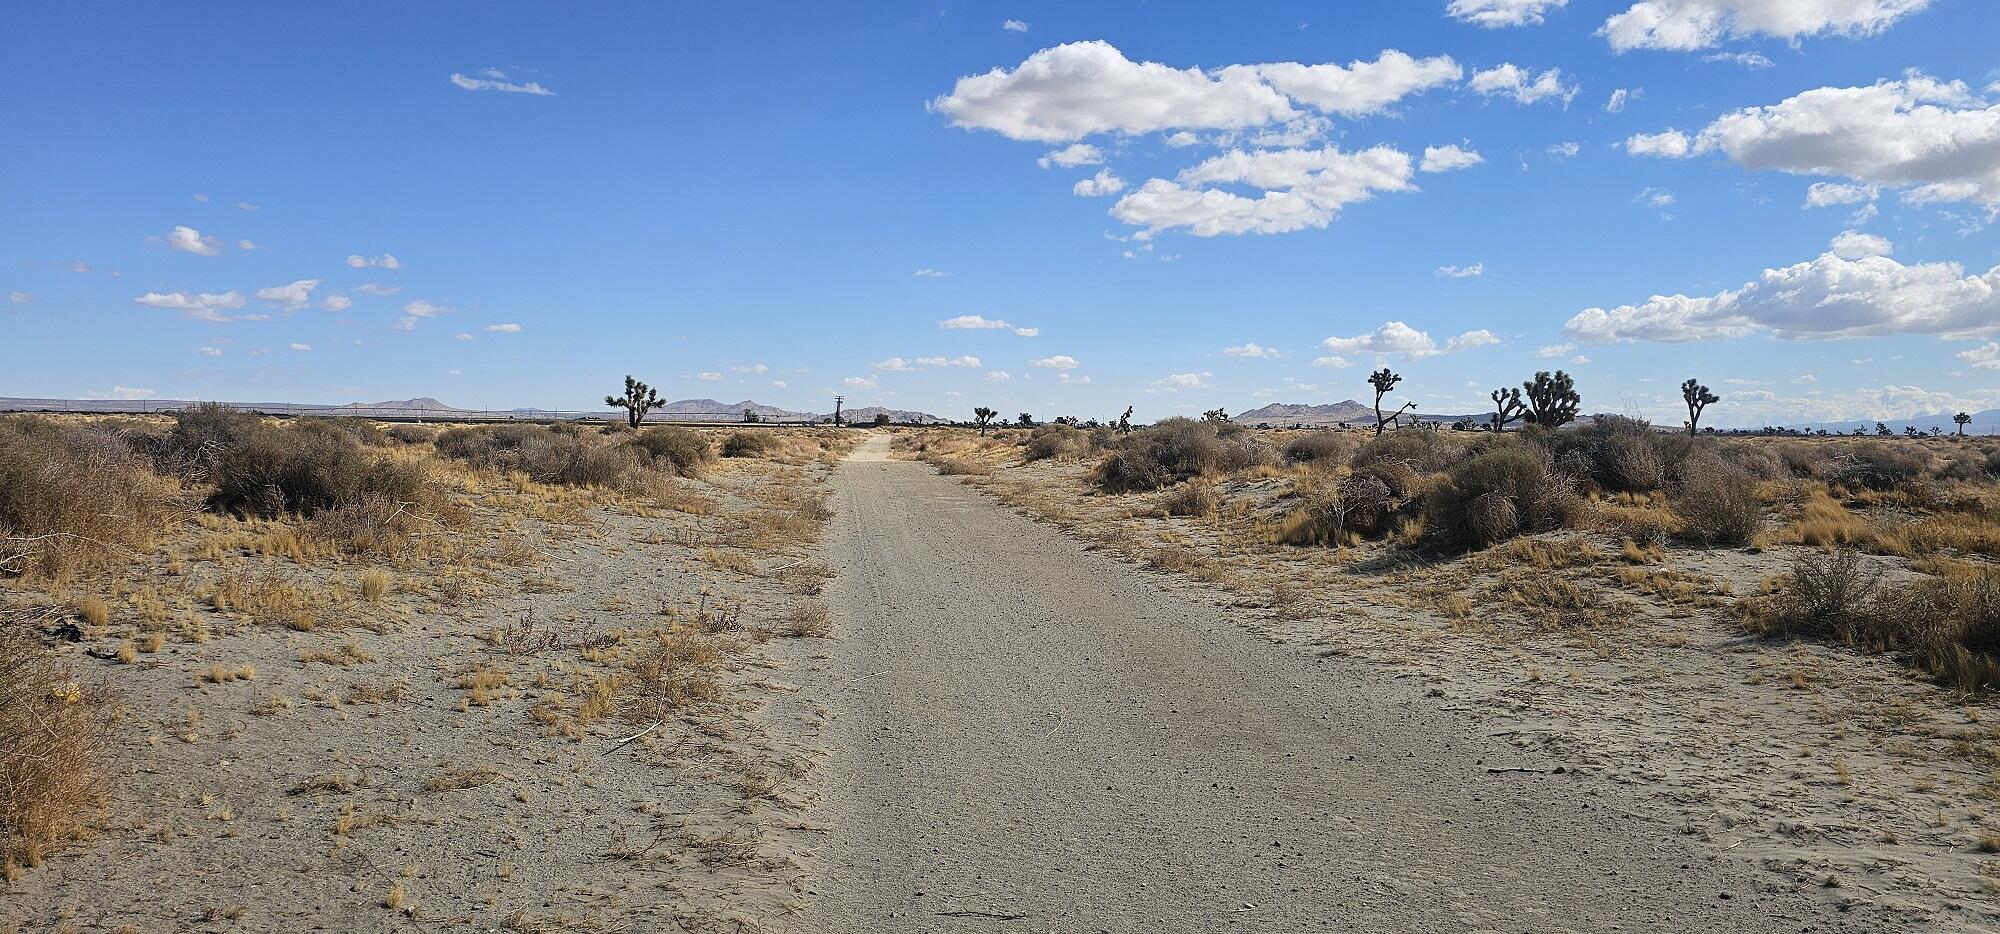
column 1029, row 736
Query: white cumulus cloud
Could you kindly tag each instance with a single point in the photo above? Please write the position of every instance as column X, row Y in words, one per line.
column 1495, row 14
column 1523, row 85
column 204, row 306
column 1473, row 271
column 1067, row 92
column 1394, row 338
column 1683, row 25
column 1057, row 362
column 1863, row 294
column 1182, row 381
column 1302, row 188
column 291, row 295
column 505, row 328
column 1073, row 155
column 1252, row 350
column 385, row 261
column 1447, row 158
column 1934, row 138
column 190, row 240
column 1099, row 185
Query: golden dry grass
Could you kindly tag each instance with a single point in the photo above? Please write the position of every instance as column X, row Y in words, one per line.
column 54, row 729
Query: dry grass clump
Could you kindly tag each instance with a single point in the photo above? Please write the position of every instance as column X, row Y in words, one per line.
column 671, row 672
column 76, row 499
column 1192, row 499
column 957, row 466
column 1421, row 450
column 749, row 444
column 54, row 729
column 809, row 621
column 1948, row 626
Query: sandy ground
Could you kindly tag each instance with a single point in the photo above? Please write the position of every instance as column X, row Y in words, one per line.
column 1024, row 730
column 379, row 793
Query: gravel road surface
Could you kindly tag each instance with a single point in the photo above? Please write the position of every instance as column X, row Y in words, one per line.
column 1029, row 736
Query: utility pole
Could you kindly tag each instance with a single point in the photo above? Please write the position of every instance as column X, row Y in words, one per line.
column 837, row 400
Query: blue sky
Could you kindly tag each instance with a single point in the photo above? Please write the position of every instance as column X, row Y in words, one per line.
column 736, row 200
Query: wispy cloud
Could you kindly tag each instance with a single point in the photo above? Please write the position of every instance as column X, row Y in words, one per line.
column 493, row 79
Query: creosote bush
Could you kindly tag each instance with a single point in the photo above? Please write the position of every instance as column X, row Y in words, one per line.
column 1422, row 450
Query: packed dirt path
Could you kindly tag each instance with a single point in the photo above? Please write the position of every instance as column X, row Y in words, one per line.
column 1029, row 736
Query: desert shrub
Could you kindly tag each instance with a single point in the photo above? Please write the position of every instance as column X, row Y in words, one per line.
column 1618, row 454
column 749, row 444
column 1823, row 596
column 1760, row 461
column 1322, row 448
column 1948, row 627
column 1368, row 503
column 199, row 436
column 1803, row 458
column 1716, row 503
column 364, row 432
column 1880, row 465
column 677, row 450
column 1497, row 494
column 1056, row 442
column 1130, row 472
column 1192, row 499
column 544, row 454
column 54, row 728
column 1174, row 450
column 75, row 499
column 411, row 434
column 1423, row 450
column 271, row 471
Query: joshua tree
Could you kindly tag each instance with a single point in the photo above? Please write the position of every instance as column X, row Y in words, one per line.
column 1385, row 381
column 1962, row 419
column 1506, row 408
column 1025, row 421
column 639, row 399
column 881, row 418
column 1697, row 397
column 1215, row 415
column 1125, row 421
column 1552, row 399
column 749, row 415
column 982, row 417
column 1882, row 431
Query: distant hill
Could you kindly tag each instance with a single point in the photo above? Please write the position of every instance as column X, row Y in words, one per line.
column 730, row 409
column 424, row 403
column 867, row 413
column 1357, row 414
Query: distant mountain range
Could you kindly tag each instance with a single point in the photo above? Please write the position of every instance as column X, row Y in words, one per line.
column 1983, row 423
column 425, row 406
